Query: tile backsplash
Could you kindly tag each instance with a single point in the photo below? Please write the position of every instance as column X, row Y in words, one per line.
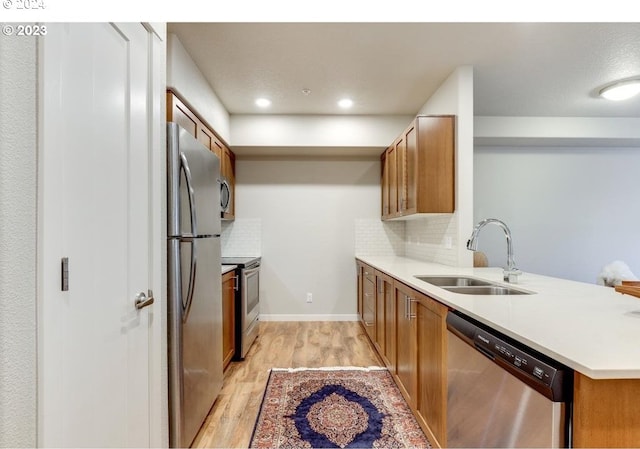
column 433, row 239
column 425, row 238
column 379, row 238
column 430, row 238
column 242, row 237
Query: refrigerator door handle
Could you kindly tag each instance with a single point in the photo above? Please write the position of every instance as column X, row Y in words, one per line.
column 184, row 165
column 192, row 281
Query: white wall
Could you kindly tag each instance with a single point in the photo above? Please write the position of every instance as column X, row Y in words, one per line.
column 426, row 237
column 571, row 210
column 18, row 173
column 185, row 77
column 308, row 210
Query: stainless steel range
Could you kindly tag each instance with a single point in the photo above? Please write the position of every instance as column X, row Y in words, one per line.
column 247, row 301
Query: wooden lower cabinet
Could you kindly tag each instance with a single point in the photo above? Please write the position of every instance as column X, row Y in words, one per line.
column 406, row 338
column 410, row 337
column 432, row 369
column 369, row 302
column 367, row 299
column 385, row 320
column 606, row 412
column 228, row 317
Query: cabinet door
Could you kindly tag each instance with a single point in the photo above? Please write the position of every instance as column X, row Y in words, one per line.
column 179, row 113
column 401, row 180
column 435, row 173
column 410, row 187
column 228, row 317
column 390, row 324
column 406, row 348
column 380, row 313
column 369, row 302
column 218, row 148
column 205, row 137
column 384, row 184
column 393, row 181
column 432, row 329
column 360, row 273
column 229, row 172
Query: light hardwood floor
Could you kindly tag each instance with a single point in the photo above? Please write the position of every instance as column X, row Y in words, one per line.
column 280, row 345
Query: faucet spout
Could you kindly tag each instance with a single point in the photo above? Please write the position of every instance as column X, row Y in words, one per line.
column 511, row 272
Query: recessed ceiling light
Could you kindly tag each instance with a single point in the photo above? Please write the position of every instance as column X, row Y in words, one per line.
column 263, row 102
column 621, row 90
column 306, row 91
column 345, row 103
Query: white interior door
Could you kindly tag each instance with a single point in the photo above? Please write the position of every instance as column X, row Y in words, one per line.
column 94, row 210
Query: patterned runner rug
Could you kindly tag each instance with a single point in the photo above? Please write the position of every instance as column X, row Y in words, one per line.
column 335, row 407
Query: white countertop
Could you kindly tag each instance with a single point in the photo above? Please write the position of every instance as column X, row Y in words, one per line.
column 227, row 268
column 588, row 327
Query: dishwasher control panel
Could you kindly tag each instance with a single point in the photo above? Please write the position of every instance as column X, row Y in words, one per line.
column 547, row 376
column 524, row 362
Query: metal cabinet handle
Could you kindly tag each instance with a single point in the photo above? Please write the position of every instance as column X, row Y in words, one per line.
column 236, row 283
column 407, row 307
column 142, row 300
column 411, row 315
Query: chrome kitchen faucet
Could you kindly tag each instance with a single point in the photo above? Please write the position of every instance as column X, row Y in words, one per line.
column 510, row 273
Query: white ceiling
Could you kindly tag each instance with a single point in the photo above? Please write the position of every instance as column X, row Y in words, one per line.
column 520, row 69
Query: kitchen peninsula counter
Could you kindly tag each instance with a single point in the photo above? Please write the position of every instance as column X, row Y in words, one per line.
column 590, row 328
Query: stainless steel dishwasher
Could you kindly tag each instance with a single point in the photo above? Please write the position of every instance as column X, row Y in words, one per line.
column 502, row 393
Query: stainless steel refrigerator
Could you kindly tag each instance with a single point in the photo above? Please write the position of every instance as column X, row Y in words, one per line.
column 195, row 284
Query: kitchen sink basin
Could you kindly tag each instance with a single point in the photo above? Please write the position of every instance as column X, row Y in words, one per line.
column 487, row 290
column 471, row 286
column 454, row 281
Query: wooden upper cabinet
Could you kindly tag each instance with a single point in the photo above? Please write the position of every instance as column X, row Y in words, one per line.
column 228, row 171
column 401, row 179
column 391, row 162
column 410, row 181
column 384, row 184
column 421, row 175
column 180, row 113
column 206, row 137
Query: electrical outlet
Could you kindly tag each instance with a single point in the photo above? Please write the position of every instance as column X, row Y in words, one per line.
column 309, row 297
column 447, row 242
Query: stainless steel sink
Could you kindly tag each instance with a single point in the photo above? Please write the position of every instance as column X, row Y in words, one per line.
column 454, row 281
column 487, row 290
column 471, row 286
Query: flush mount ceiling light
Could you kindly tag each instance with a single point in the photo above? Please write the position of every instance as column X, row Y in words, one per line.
column 263, row 102
column 621, row 90
column 345, row 103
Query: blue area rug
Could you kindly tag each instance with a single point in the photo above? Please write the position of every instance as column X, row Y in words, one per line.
column 335, row 408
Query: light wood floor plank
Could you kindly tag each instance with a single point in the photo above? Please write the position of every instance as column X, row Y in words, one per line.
column 280, row 345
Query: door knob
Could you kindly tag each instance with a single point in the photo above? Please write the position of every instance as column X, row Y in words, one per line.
column 143, row 301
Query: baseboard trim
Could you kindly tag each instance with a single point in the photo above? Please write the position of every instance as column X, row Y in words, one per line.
column 308, row 317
